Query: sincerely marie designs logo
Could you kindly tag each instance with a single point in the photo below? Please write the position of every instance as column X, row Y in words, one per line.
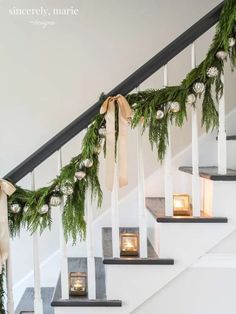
column 41, row 12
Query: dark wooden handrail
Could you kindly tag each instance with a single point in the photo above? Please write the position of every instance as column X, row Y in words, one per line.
column 125, row 87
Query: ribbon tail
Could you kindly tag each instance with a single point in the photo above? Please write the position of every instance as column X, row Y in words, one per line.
column 7, row 189
column 122, row 141
column 110, row 146
column 4, row 229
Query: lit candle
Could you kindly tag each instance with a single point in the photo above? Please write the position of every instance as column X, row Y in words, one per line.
column 179, row 203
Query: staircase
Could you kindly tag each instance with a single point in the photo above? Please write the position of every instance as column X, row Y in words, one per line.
column 168, row 244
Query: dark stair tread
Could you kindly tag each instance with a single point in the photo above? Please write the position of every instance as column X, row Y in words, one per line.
column 211, row 173
column 156, row 206
column 80, row 264
column 152, row 259
column 26, row 304
column 229, row 138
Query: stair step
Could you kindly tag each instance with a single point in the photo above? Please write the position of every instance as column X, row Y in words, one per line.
column 156, row 206
column 80, row 264
column 229, row 138
column 211, row 173
column 152, row 259
column 26, row 304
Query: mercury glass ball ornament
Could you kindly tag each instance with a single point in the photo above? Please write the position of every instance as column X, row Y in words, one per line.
column 44, row 209
column 67, row 189
column 55, row 200
column 222, row 55
column 160, row 114
column 191, row 99
column 80, row 175
column 98, row 149
column 102, row 132
column 88, row 163
column 15, row 208
column 175, row 107
column 25, row 209
column 212, row 72
column 231, row 42
column 199, row 87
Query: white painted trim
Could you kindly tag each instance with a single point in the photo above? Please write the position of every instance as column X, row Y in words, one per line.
column 215, row 260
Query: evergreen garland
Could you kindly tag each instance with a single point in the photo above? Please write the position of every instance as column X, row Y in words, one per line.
column 145, row 105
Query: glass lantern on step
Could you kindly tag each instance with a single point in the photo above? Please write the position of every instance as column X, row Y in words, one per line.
column 78, row 284
column 182, row 205
column 129, row 244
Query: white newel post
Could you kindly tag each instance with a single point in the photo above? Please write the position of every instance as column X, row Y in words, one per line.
column 196, row 194
column 38, row 304
column 90, row 252
column 168, row 165
column 63, row 248
column 222, row 150
column 10, row 298
column 141, row 196
column 115, row 216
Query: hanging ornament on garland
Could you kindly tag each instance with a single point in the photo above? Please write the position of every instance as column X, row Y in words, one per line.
column 25, row 209
column 231, row 42
column 221, row 55
column 174, row 107
column 67, row 188
column 160, row 114
column 98, row 149
column 199, row 87
column 88, row 163
column 55, row 200
column 15, row 208
column 191, row 99
column 80, row 175
column 212, row 72
column 44, row 209
column 102, row 131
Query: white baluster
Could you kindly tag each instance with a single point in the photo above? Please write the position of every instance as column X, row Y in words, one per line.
column 90, row 255
column 115, row 217
column 222, row 149
column 168, row 165
column 10, row 298
column 141, row 196
column 63, row 248
column 196, row 196
column 38, row 304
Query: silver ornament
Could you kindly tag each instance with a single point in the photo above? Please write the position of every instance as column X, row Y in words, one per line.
column 160, row 114
column 44, row 209
column 231, row 42
column 67, row 189
column 88, row 163
column 212, row 72
column 55, row 200
column 98, row 149
column 199, row 87
column 174, row 106
column 15, row 208
column 191, row 99
column 80, row 175
column 102, row 132
column 222, row 55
